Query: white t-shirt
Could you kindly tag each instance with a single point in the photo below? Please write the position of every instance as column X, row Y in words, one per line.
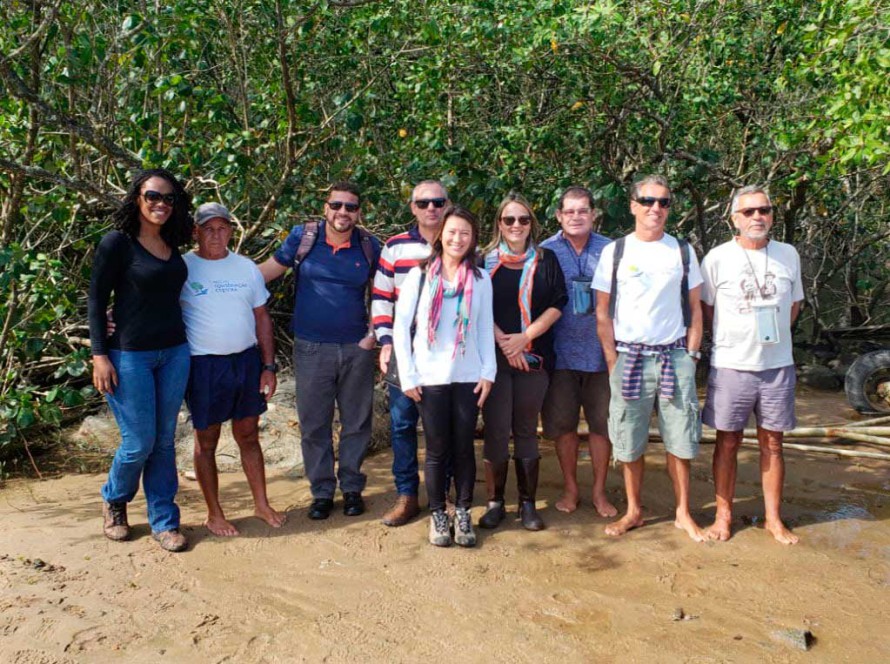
column 419, row 364
column 217, row 300
column 648, row 309
column 733, row 280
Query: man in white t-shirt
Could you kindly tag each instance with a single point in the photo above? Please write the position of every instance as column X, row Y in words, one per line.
column 752, row 292
column 649, row 324
column 233, row 360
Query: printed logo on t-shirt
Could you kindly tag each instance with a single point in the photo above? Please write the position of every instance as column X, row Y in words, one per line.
column 228, row 286
column 748, row 287
column 198, row 288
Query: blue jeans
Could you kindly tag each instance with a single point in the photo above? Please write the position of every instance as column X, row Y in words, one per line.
column 403, row 416
column 145, row 403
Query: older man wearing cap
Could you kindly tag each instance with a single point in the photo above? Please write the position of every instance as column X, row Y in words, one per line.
column 233, row 360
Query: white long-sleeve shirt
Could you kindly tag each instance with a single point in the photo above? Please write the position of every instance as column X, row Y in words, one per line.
column 420, row 364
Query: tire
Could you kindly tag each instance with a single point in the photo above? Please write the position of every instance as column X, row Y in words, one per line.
column 865, row 376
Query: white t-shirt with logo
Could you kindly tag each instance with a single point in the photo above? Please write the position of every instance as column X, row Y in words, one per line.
column 217, row 300
column 734, row 278
column 648, row 306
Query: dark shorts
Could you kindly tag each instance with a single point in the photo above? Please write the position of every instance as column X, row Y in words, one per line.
column 569, row 392
column 733, row 395
column 225, row 387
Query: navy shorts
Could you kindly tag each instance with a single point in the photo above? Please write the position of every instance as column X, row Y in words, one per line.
column 225, row 387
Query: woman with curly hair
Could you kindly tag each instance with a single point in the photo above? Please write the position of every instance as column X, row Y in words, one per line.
column 142, row 367
column 529, row 293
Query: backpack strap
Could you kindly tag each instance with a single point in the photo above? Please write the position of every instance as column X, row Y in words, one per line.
column 684, row 284
column 367, row 250
column 613, row 289
column 307, row 241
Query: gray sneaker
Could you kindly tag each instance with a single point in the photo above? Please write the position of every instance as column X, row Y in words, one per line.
column 440, row 532
column 463, row 528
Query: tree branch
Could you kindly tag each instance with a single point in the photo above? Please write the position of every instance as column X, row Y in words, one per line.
column 42, row 174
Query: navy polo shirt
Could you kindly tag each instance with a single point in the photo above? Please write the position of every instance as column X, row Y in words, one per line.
column 330, row 300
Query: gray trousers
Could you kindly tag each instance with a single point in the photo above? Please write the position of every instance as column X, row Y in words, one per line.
column 327, row 374
column 513, row 407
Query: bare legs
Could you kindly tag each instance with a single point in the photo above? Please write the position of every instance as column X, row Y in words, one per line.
column 772, row 477
column 600, row 453
column 246, row 435
column 678, row 469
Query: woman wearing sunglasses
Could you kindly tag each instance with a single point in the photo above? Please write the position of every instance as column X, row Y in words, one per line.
column 529, row 294
column 142, row 367
column 443, row 338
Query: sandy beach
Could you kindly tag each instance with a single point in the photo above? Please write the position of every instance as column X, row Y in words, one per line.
column 350, row 589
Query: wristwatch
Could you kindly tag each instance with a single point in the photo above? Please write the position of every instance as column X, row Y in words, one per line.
column 271, row 367
column 694, row 354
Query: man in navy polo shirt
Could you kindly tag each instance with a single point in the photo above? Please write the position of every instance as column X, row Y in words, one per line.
column 580, row 379
column 333, row 348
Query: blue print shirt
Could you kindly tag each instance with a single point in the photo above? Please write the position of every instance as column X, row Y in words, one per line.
column 574, row 336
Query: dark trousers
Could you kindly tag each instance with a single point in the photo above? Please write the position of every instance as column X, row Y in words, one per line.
column 513, row 407
column 449, row 421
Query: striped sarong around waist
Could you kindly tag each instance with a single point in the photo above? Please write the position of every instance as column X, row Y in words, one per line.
column 632, row 377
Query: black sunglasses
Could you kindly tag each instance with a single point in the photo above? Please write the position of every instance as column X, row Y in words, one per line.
column 524, row 220
column 156, row 197
column 765, row 210
column 336, row 205
column 649, row 201
column 424, row 203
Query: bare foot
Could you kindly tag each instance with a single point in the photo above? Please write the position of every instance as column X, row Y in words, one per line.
column 627, row 522
column 685, row 522
column 603, row 506
column 270, row 516
column 568, row 503
column 721, row 529
column 220, row 527
column 781, row 533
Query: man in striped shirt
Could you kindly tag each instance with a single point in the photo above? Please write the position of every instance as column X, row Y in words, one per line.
column 401, row 253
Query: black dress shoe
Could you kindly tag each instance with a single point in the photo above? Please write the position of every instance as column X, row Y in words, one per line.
column 353, row 504
column 321, row 508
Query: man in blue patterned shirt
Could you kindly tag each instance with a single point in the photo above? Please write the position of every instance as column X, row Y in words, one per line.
column 580, row 379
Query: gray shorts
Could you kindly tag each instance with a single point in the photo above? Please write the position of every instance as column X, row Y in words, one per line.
column 569, row 392
column 678, row 419
column 733, row 395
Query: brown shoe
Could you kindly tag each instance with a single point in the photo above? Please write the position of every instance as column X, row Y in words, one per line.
column 171, row 540
column 115, row 526
column 405, row 509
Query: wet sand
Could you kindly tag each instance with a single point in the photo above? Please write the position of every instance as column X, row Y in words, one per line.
column 350, row 589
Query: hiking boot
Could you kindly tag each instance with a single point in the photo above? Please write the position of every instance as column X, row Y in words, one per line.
column 440, row 531
column 405, row 509
column 171, row 540
column 463, row 528
column 115, row 524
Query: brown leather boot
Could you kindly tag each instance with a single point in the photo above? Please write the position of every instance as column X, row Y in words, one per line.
column 495, row 481
column 405, row 509
column 527, row 482
column 114, row 518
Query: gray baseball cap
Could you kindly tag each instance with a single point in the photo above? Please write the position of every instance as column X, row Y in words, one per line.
column 208, row 211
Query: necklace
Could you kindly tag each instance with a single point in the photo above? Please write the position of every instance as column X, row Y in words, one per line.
column 760, row 288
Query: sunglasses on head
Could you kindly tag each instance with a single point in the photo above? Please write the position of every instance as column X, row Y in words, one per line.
column 424, row 203
column 336, row 205
column 156, row 197
column 524, row 220
column 749, row 212
column 649, row 201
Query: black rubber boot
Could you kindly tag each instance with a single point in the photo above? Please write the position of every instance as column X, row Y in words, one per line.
column 495, row 481
column 527, row 481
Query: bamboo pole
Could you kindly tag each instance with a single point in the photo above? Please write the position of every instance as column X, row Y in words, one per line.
column 867, row 423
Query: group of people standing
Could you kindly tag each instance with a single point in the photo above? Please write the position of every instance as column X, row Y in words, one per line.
column 522, row 329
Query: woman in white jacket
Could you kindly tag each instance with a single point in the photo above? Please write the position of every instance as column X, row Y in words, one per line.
column 443, row 338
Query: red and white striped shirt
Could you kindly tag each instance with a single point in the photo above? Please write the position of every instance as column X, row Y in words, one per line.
column 400, row 253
